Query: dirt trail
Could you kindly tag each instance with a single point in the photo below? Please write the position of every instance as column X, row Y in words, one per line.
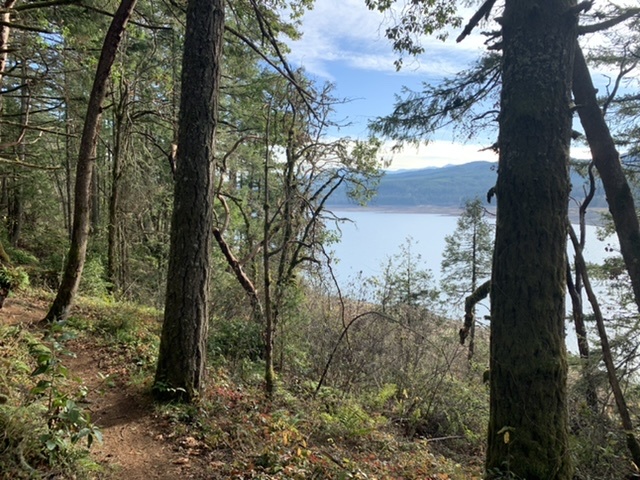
column 136, row 445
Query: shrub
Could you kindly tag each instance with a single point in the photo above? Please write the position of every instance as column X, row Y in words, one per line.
column 236, row 339
column 43, row 427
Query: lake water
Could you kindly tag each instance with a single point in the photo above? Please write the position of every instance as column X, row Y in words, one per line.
column 374, row 236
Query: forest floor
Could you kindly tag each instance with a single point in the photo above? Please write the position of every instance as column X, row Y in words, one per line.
column 233, row 434
column 138, row 444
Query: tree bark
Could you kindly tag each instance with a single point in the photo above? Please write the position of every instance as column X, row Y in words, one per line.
column 607, row 161
column 81, row 214
column 528, row 433
column 181, row 362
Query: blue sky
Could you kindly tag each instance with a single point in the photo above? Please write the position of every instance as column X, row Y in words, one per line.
column 343, row 42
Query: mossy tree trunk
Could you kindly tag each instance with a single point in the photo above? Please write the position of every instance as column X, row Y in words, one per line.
column 528, row 434
column 181, row 362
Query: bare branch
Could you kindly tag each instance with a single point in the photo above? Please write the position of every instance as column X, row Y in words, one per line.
column 624, row 70
column 18, row 163
column 132, row 22
column 35, row 5
column 484, row 11
column 612, row 22
column 27, row 28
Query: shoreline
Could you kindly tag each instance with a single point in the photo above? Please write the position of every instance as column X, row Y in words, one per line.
column 593, row 216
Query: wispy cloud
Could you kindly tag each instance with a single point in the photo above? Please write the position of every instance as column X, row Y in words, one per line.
column 438, row 153
column 346, row 31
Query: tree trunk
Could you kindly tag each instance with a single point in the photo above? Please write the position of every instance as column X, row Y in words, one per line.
column 269, row 327
column 607, row 161
column 244, row 281
column 607, row 357
column 5, row 31
column 474, row 286
column 15, row 218
column 528, row 433
column 575, row 293
column 181, row 362
column 81, row 215
column 120, row 127
column 476, row 296
column 591, row 393
column 95, row 196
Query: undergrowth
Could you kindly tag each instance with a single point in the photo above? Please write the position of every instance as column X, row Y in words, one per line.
column 233, row 429
column 422, row 431
column 43, row 427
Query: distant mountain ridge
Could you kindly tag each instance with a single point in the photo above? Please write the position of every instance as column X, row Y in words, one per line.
column 448, row 186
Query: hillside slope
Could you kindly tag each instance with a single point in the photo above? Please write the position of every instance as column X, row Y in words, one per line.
column 448, row 186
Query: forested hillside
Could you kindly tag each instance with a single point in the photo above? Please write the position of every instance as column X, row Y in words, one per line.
column 449, row 186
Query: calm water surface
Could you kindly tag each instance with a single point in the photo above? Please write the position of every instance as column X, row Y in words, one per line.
column 373, row 236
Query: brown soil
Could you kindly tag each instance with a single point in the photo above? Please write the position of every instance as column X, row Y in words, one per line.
column 138, row 444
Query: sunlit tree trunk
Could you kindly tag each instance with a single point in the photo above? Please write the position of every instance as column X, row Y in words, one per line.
column 81, row 215
column 528, row 433
column 181, row 362
column 5, row 30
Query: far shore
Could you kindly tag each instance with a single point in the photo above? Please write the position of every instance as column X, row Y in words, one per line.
column 593, row 216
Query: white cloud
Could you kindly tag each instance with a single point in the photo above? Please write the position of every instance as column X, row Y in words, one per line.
column 346, row 31
column 438, row 153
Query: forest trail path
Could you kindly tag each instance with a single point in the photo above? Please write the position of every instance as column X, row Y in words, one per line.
column 136, row 443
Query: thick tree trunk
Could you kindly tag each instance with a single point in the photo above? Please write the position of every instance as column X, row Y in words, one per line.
column 181, row 362
column 528, row 434
column 607, row 161
column 81, row 215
